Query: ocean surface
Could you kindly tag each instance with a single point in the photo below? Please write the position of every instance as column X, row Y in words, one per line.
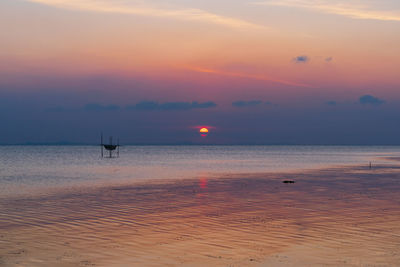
column 38, row 169
column 57, row 207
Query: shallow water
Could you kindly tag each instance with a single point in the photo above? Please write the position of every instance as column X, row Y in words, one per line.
column 37, row 169
column 329, row 217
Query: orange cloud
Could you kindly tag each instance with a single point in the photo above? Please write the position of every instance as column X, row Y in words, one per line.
column 342, row 8
column 249, row 76
column 190, row 14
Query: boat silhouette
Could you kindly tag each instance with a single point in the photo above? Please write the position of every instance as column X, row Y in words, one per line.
column 109, row 147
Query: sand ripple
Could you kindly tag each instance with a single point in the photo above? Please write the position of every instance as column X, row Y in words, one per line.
column 338, row 217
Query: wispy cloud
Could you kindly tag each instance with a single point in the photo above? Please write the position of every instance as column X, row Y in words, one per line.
column 100, row 107
column 344, row 8
column 243, row 103
column 136, row 8
column 249, row 76
column 153, row 105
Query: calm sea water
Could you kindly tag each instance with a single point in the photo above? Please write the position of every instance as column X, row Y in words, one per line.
column 35, row 169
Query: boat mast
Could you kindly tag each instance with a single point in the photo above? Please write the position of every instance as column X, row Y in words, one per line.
column 118, row 147
column 110, row 145
column 101, row 144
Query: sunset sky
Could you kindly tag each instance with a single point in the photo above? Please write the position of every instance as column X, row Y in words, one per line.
column 152, row 71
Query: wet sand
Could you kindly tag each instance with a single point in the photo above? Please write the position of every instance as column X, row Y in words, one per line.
column 346, row 216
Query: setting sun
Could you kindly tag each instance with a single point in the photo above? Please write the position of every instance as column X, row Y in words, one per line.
column 203, row 130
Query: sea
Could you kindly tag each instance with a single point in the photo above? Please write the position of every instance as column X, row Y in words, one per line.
column 30, row 170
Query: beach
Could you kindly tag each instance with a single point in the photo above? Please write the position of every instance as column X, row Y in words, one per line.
column 339, row 216
column 199, row 133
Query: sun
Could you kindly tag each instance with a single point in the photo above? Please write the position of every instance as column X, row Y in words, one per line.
column 203, row 130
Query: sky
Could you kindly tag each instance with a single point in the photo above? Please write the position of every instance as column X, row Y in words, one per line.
column 153, row 72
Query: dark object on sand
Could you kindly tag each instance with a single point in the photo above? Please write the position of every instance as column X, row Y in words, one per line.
column 288, row 182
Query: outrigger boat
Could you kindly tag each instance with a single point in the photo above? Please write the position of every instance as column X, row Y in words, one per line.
column 109, row 147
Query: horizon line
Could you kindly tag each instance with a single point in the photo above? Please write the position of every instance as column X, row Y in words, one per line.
column 192, row 144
